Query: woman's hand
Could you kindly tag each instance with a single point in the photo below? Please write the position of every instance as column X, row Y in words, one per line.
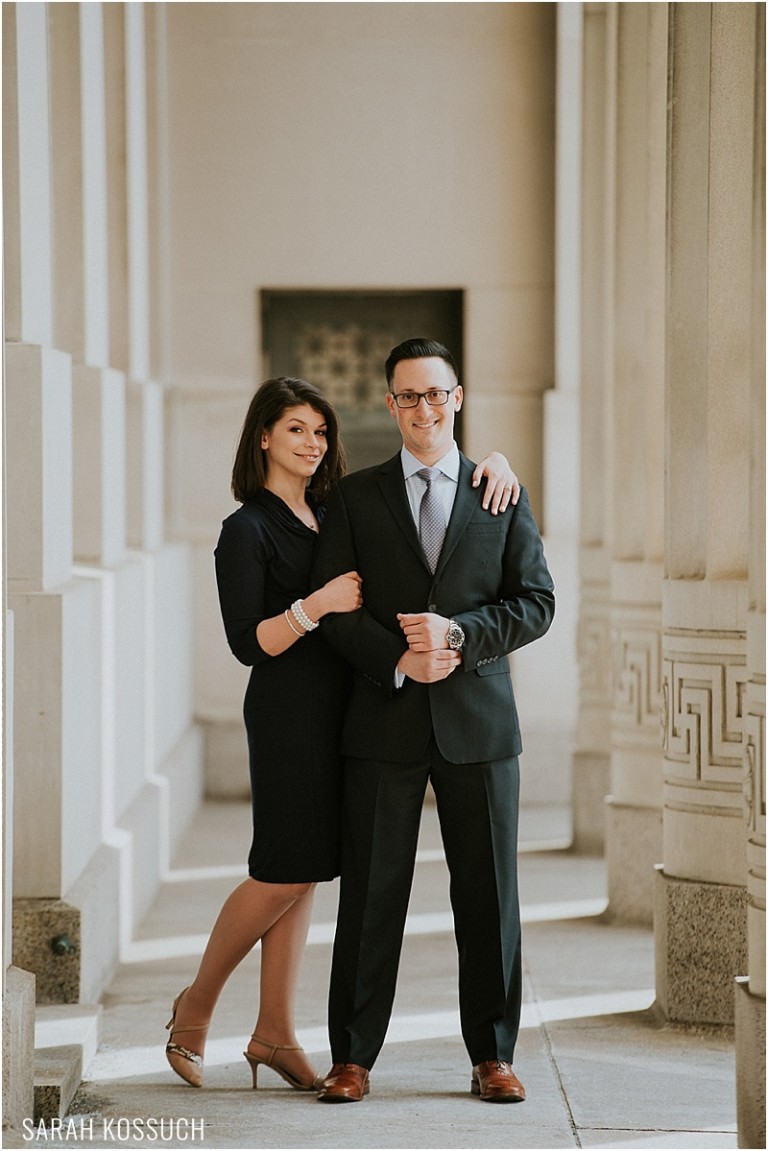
column 501, row 483
column 344, row 593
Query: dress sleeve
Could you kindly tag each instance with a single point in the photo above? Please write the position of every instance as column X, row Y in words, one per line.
column 241, row 572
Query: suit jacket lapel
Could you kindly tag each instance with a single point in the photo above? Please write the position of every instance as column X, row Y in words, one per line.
column 392, row 485
column 467, row 499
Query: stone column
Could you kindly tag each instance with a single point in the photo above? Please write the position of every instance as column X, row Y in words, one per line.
column 38, row 392
column 544, row 679
column 173, row 751
column 27, row 177
column 510, row 359
column 700, row 898
column 102, row 644
column 591, row 758
column 61, row 416
column 28, row 276
column 750, row 987
column 633, row 817
column 509, row 344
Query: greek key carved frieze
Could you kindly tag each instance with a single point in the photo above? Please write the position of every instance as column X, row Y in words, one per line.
column 637, row 677
column 702, row 711
column 754, row 755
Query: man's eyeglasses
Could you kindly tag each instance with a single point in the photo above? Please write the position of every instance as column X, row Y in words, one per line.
column 435, row 397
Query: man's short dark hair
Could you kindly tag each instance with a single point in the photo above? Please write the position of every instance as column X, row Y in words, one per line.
column 418, row 349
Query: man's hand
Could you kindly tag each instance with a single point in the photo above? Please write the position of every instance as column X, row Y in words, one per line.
column 501, row 482
column 428, row 666
column 425, row 631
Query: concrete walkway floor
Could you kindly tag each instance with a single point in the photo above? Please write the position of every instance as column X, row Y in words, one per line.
column 600, row 1068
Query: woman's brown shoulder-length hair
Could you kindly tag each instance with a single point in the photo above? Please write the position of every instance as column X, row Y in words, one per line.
column 271, row 400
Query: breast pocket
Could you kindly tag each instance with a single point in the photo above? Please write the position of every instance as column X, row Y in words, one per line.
column 485, row 528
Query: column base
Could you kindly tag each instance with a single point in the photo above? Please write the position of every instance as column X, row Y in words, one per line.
column 633, row 848
column 18, row 1047
column 750, row 1065
column 46, row 941
column 701, row 942
column 71, row 945
column 591, row 784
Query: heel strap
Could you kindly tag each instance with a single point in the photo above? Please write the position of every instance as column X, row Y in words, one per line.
column 274, row 1047
column 171, row 1026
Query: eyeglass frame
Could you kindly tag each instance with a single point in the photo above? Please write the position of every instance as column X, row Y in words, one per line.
column 423, row 396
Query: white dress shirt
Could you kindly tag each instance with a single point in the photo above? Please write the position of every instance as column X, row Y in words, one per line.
column 447, row 482
column 415, row 486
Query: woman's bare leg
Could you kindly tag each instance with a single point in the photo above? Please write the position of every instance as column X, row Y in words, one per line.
column 282, row 950
column 247, row 916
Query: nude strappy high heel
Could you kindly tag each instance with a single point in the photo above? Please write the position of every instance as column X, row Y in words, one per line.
column 194, row 1075
column 268, row 1060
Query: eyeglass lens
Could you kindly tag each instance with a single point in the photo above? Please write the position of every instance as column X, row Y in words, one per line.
column 436, row 397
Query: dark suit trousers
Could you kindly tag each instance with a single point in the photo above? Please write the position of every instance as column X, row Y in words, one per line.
column 477, row 806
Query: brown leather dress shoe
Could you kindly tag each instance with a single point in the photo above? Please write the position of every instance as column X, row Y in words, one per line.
column 495, row 1082
column 344, row 1083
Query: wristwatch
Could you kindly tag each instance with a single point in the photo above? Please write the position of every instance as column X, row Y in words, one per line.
column 455, row 635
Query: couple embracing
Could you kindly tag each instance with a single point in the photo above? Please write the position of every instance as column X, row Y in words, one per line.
column 376, row 611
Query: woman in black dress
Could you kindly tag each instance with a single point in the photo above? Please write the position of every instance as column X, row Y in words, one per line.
column 288, row 457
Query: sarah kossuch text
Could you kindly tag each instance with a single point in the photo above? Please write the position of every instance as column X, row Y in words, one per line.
column 115, row 1130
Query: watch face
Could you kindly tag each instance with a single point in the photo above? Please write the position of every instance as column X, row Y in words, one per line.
column 455, row 636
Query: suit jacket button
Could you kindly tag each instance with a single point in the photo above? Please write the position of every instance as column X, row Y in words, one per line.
column 431, row 607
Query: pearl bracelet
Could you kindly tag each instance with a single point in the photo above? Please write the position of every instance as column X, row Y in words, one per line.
column 295, row 630
column 301, row 617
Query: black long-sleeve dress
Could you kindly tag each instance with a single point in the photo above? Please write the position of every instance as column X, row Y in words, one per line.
column 294, row 702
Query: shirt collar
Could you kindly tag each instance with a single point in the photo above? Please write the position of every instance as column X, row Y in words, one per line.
column 449, row 465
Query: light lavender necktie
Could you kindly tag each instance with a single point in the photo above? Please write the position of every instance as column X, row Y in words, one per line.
column 432, row 523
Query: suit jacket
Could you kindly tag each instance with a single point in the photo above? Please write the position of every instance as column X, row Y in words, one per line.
column 491, row 577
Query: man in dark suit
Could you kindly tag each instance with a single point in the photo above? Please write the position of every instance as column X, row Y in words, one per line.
column 449, row 590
